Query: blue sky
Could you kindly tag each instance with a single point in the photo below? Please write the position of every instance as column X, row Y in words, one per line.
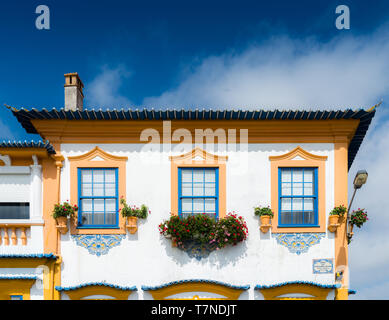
column 248, row 54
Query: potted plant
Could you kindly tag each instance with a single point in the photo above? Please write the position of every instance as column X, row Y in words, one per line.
column 336, row 217
column 205, row 231
column 61, row 213
column 358, row 218
column 265, row 214
column 132, row 213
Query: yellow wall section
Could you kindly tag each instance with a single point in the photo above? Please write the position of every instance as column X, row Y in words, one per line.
column 229, row 293
column 341, row 198
column 209, row 160
column 310, row 160
column 109, row 161
column 98, row 290
column 275, row 293
column 19, row 287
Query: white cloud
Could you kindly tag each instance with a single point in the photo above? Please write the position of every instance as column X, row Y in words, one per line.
column 103, row 90
column 283, row 72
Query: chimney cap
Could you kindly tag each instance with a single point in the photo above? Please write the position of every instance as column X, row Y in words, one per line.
column 68, row 82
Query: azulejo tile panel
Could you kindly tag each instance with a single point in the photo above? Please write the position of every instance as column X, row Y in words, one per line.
column 98, row 244
column 196, row 250
column 299, row 242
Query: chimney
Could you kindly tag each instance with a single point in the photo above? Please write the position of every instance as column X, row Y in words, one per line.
column 73, row 92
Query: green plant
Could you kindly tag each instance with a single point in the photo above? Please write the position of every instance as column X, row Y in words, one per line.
column 358, row 217
column 263, row 211
column 133, row 211
column 339, row 210
column 64, row 210
column 205, row 230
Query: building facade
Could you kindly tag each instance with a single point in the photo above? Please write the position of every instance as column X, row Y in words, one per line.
column 178, row 163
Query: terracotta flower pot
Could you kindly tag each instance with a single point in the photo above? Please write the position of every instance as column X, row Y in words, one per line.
column 132, row 224
column 174, row 242
column 62, row 224
column 265, row 223
column 333, row 223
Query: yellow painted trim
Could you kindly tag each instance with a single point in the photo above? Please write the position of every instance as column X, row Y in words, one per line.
column 275, row 293
column 10, row 287
column 310, row 160
column 341, row 196
column 85, row 161
column 2, row 163
column 274, row 131
column 229, row 293
column 209, row 161
column 98, row 290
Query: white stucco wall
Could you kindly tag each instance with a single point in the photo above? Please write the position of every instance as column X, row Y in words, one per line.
column 146, row 258
column 23, row 184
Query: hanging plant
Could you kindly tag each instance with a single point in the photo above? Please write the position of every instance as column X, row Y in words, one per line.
column 358, row 217
column 265, row 214
column 61, row 213
column 205, row 230
column 336, row 217
column 132, row 213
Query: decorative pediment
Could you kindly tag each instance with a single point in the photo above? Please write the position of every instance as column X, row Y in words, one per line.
column 97, row 154
column 298, row 154
column 198, row 154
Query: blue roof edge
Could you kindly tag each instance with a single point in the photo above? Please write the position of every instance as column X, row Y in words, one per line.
column 172, row 283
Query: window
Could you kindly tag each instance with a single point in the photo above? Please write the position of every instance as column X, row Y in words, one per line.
column 98, row 197
column 198, row 191
column 14, row 210
column 298, row 189
column 16, row 297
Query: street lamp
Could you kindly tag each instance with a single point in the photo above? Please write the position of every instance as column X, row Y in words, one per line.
column 359, row 180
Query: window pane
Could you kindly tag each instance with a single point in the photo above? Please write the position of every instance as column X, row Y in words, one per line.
column 308, row 189
column 308, row 175
column 110, row 190
column 210, row 175
column 98, row 218
column 198, row 189
column 110, row 176
column 110, row 218
column 186, row 189
column 286, row 218
column 286, row 175
column 309, row 217
column 86, row 176
column 210, row 205
column 86, row 204
column 286, row 204
column 297, row 217
column 297, row 204
column 86, row 190
column 286, row 189
column 110, row 205
column 186, row 205
column 98, row 189
column 198, row 205
column 86, row 218
column 98, row 205
column 14, row 210
column 198, row 175
column 297, row 175
column 98, row 176
column 308, row 204
column 297, row 189
column 186, row 175
column 210, row 189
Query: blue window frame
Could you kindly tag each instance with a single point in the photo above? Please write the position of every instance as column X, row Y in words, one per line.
column 16, row 297
column 298, row 190
column 98, row 197
column 198, row 191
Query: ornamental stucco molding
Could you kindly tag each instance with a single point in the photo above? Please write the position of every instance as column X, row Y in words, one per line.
column 98, row 244
column 299, row 242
